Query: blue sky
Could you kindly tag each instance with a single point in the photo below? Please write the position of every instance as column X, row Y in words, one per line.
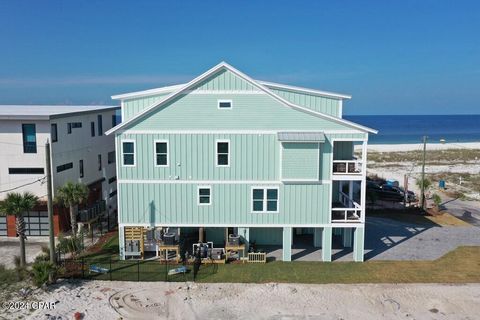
column 394, row 57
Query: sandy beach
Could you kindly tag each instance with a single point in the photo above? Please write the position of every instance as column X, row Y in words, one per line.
column 419, row 146
column 159, row 300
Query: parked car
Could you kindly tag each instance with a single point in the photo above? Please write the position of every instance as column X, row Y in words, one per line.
column 389, row 192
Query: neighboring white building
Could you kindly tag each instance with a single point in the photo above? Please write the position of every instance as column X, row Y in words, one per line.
column 80, row 151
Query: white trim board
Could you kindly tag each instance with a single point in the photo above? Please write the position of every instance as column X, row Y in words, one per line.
column 126, row 132
column 225, row 66
column 277, row 182
column 245, row 225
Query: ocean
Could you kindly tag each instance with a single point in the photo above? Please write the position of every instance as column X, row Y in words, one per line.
column 411, row 128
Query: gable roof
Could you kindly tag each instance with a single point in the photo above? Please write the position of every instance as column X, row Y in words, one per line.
column 261, row 87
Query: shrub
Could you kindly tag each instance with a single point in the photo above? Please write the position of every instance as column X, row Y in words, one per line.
column 436, row 200
column 41, row 271
column 426, row 183
column 71, row 244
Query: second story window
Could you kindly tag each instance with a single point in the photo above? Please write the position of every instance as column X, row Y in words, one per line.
column 223, row 153
column 29, row 133
column 99, row 162
column 128, row 153
column 111, row 157
column 92, row 129
column 161, row 153
column 100, row 125
column 80, row 167
column 264, row 199
column 54, row 132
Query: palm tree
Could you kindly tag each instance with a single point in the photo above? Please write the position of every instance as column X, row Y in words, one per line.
column 71, row 195
column 16, row 203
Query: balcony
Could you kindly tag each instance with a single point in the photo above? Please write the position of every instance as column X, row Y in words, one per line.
column 346, row 210
column 92, row 212
column 351, row 167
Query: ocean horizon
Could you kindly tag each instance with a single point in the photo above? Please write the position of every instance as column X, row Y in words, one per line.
column 398, row 129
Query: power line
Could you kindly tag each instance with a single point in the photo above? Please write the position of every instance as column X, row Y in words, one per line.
column 24, row 185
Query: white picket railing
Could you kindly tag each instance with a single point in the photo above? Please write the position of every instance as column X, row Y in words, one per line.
column 351, row 212
column 347, row 167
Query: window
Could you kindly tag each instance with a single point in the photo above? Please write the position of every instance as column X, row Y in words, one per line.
column 29, row 133
column 128, row 153
column 111, row 157
column 26, row 171
column 114, row 120
column 100, row 125
column 264, row 199
column 161, row 153
column 92, row 129
column 223, row 155
column 64, row 167
column 112, row 194
column 54, row 132
column 225, row 104
column 73, row 125
column 80, row 167
column 112, row 179
column 99, row 162
column 204, row 195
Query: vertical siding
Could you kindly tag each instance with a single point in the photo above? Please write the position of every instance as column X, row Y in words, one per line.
column 300, row 161
column 192, row 157
column 325, row 105
column 133, row 106
column 224, row 80
column 156, row 203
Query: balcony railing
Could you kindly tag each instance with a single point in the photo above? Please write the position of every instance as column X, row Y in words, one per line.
column 349, row 212
column 91, row 212
column 347, row 167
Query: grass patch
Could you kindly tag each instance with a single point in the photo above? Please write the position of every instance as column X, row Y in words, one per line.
column 458, row 266
column 446, row 219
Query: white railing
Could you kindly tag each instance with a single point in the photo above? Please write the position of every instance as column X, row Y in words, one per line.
column 350, row 213
column 347, row 167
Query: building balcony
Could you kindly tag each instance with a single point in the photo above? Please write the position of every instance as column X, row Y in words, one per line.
column 346, row 210
column 91, row 212
column 350, row 167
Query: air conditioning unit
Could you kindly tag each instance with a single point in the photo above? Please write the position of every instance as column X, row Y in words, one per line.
column 169, row 239
column 234, row 239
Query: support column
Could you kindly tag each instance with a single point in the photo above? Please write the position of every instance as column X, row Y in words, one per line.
column 358, row 243
column 347, row 237
column 121, row 242
column 317, row 237
column 244, row 234
column 287, row 244
column 363, row 183
column 327, row 244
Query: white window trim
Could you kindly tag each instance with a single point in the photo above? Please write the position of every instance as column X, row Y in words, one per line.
column 198, row 196
column 264, row 188
column 155, row 153
column 224, row 100
column 134, row 153
column 216, row 153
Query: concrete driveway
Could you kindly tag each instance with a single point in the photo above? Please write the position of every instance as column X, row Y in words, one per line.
column 468, row 211
column 387, row 239
column 10, row 247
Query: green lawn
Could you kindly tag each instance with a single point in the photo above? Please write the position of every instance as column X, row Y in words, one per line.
column 459, row 266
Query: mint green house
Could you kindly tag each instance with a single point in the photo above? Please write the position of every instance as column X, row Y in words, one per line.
column 270, row 161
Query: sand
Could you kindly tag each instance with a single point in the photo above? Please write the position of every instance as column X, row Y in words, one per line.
column 419, row 146
column 158, row 300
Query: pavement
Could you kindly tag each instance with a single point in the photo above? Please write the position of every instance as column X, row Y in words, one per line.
column 468, row 211
column 10, row 247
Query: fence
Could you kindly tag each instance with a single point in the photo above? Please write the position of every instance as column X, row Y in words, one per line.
column 132, row 270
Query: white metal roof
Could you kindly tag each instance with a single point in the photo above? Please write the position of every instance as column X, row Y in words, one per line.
column 44, row 112
column 301, row 136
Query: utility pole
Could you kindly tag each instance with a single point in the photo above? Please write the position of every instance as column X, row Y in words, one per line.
column 422, row 198
column 50, row 203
